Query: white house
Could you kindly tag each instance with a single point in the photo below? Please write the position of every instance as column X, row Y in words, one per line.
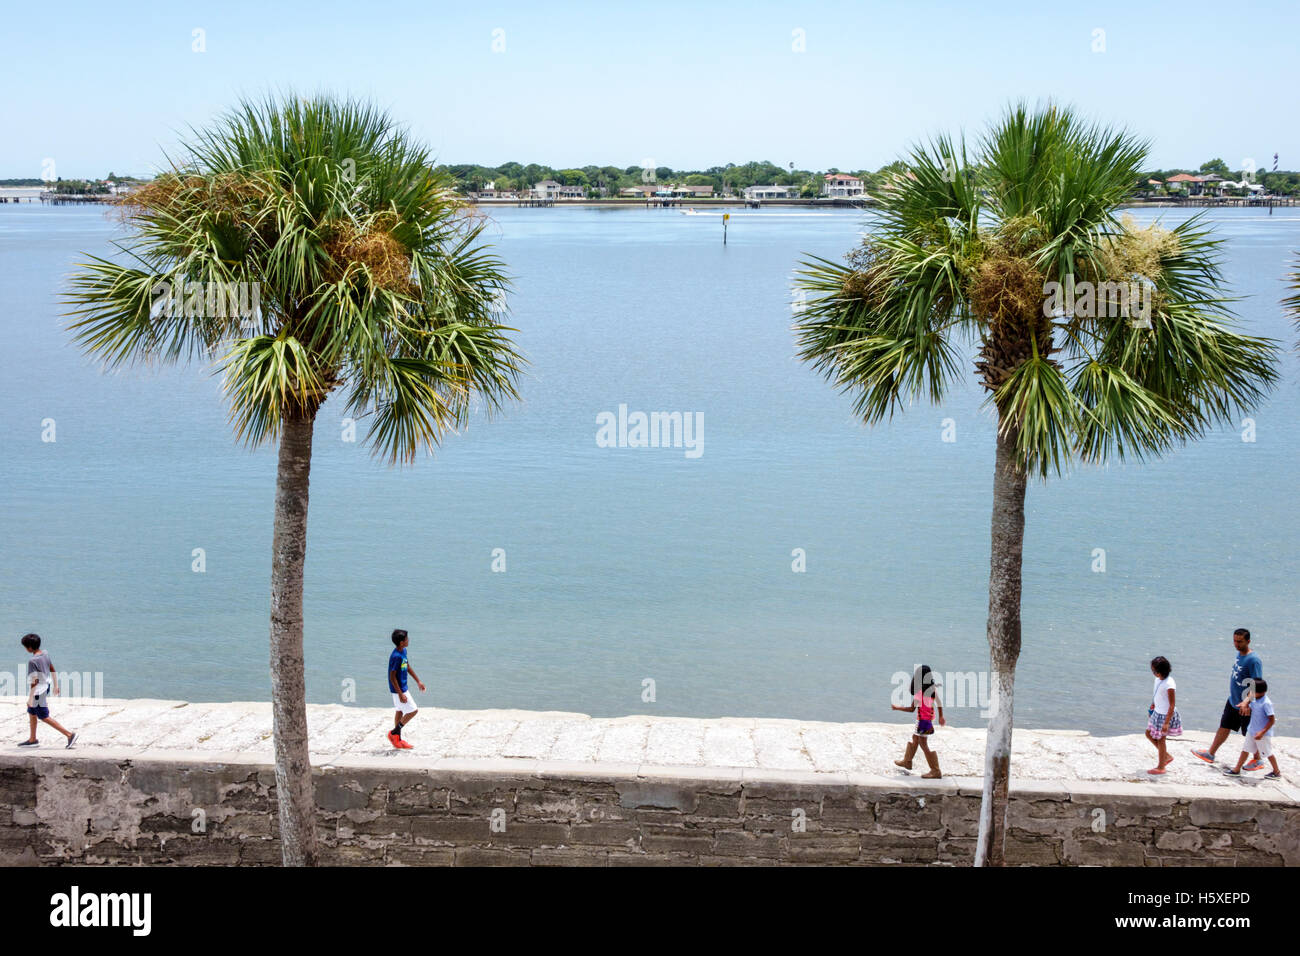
column 547, row 189
column 842, row 186
column 769, row 192
column 1245, row 186
column 668, row 191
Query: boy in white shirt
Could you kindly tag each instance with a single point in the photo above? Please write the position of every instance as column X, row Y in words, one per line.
column 1259, row 735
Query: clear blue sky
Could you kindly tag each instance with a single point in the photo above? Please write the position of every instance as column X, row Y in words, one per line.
column 100, row 87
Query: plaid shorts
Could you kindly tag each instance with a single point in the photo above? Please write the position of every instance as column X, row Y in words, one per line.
column 1156, row 725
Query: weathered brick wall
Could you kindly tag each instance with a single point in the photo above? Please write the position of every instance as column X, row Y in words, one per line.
column 96, row 810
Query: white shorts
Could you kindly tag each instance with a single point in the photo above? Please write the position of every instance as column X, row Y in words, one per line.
column 1264, row 748
column 407, row 708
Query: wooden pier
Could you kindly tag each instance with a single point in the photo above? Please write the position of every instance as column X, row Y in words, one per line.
column 1219, row 201
column 62, row 199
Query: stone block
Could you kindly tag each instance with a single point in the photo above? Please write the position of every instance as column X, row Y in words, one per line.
column 634, row 794
column 420, row 855
column 745, row 843
column 554, row 805
column 1025, row 850
column 1189, row 840
column 481, row 856
column 570, row 856
column 892, row 848
column 905, row 815
column 336, row 792
column 662, row 839
column 823, row 848
column 604, row 834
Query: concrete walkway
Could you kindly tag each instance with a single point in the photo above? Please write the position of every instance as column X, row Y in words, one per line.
column 123, row 729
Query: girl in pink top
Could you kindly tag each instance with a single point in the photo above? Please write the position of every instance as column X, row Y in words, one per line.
column 925, row 701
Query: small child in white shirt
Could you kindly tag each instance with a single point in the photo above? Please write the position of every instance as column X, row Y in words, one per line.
column 1162, row 716
column 1259, row 734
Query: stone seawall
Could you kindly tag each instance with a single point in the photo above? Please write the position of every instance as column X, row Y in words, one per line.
column 166, row 781
column 85, row 807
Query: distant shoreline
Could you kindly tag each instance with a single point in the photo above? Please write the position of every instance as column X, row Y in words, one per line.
column 1284, row 201
column 33, row 195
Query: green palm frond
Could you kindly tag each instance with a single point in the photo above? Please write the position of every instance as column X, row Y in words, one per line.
column 1159, row 363
column 371, row 277
column 1292, row 302
column 270, row 379
column 1042, row 412
column 883, row 346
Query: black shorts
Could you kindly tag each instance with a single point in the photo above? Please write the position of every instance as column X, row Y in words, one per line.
column 1233, row 720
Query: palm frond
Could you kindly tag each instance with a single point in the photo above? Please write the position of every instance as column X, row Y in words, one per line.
column 372, row 278
column 978, row 253
column 1038, row 406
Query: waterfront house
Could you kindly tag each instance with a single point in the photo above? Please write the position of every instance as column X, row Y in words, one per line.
column 768, row 192
column 1243, row 188
column 571, row 192
column 670, row 191
column 547, row 189
column 1186, row 183
column 1213, row 184
column 1189, row 185
column 842, row 186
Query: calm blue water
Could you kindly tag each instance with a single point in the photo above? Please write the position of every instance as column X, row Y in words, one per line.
column 627, row 564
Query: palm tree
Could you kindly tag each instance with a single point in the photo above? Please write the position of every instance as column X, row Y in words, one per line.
column 366, row 277
column 1292, row 302
column 1131, row 354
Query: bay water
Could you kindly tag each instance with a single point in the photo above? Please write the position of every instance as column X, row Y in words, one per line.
column 636, row 580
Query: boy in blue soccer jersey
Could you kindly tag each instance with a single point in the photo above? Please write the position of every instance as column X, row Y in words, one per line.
column 404, row 703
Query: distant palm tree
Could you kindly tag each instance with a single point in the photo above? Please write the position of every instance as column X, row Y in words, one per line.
column 366, row 278
column 1132, row 354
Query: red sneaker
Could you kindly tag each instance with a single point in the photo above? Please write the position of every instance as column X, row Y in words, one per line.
column 1255, row 764
column 395, row 740
column 404, row 745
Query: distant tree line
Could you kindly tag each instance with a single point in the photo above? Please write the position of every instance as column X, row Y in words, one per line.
column 734, row 178
column 611, row 180
column 91, row 187
column 1279, row 183
column 731, row 178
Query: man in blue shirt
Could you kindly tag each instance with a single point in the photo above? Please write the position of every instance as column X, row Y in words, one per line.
column 403, row 703
column 1246, row 669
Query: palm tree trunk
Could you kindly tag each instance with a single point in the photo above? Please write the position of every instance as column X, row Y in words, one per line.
column 288, row 684
column 1009, row 481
